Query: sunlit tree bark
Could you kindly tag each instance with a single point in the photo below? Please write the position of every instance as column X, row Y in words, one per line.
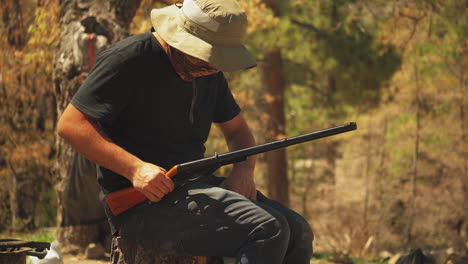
column 273, row 81
column 104, row 22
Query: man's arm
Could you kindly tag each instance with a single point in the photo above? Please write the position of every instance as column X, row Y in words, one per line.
column 238, row 136
column 84, row 134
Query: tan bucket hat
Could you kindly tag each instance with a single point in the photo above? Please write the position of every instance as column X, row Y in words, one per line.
column 211, row 30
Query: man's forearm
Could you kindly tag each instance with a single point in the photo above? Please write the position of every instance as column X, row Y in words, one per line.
column 84, row 134
column 241, row 140
column 238, row 136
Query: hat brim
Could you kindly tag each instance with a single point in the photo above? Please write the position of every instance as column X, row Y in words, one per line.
column 166, row 24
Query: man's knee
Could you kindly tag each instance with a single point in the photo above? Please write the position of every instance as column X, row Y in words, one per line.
column 273, row 229
column 303, row 226
column 303, row 233
column 307, row 235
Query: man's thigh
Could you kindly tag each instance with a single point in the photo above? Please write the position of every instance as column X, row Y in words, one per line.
column 201, row 219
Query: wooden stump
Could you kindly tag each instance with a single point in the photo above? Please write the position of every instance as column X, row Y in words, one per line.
column 13, row 258
column 126, row 252
column 75, row 238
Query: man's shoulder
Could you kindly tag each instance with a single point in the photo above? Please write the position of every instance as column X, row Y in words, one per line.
column 132, row 47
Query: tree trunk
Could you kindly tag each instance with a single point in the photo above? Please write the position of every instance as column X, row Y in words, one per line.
column 104, row 22
column 273, row 81
column 278, row 184
column 13, row 21
column 365, row 222
column 464, row 154
column 13, row 194
column 307, row 190
column 331, row 147
column 414, row 175
column 380, row 176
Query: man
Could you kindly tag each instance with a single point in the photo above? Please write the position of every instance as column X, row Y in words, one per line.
column 149, row 104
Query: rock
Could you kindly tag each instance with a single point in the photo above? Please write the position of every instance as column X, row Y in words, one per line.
column 385, row 255
column 95, row 251
column 450, row 251
column 53, row 256
column 394, row 259
column 229, row 261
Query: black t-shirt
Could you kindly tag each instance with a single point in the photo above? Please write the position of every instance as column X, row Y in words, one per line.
column 146, row 108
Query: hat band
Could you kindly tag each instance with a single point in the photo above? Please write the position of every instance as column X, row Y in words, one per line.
column 194, row 13
column 209, row 36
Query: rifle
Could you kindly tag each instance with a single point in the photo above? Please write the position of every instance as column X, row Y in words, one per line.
column 124, row 199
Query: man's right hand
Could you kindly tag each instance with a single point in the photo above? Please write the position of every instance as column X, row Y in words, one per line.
column 151, row 180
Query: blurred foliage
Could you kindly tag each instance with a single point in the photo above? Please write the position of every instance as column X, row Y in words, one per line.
column 27, row 123
column 43, row 235
column 383, row 64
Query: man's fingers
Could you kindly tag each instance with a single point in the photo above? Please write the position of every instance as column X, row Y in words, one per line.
column 152, row 197
column 168, row 183
column 249, row 194
column 154, row 193
column 161, row 184
column 165, row 186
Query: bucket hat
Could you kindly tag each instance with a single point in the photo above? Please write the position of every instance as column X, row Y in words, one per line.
column 211, row 30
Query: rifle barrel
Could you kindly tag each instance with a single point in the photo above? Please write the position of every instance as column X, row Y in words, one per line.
column 238, row 155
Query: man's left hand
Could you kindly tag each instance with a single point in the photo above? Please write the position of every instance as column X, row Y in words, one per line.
column 242, row 182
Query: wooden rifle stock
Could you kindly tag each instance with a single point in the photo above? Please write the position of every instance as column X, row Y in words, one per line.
column 124, row 199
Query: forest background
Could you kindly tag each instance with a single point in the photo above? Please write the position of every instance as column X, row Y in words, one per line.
column 397, row 68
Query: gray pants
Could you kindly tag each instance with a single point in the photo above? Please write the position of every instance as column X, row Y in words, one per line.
column 204, row 220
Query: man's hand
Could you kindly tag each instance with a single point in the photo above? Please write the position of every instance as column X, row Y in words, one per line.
column 152, row 181
column 241, row 181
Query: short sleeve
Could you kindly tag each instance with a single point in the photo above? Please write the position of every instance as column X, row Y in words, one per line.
column 226, row 106
column 105, row 91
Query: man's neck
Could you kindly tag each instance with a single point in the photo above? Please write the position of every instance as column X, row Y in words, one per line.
column 161, row 41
